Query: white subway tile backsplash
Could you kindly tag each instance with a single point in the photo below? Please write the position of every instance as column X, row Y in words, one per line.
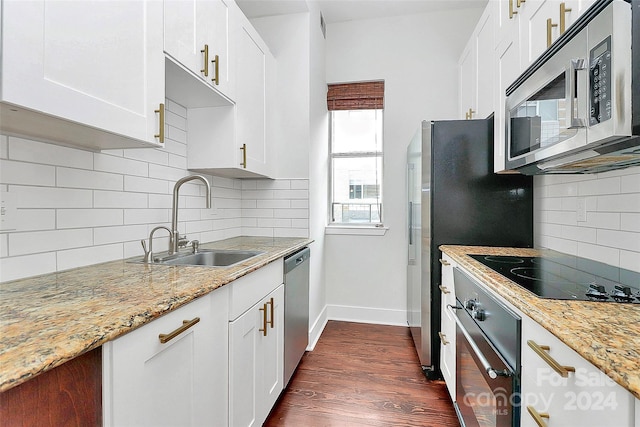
column 80, row 218
column 48, row 241
column 145, row 216
column 23, row 173
column 145, row 185
column 630, row 222
column 106, row 235
column 12, row 268
column 120, row 165
column 80, row 178
column 86, row 256
column 55, row 155
column 611, row 232
column 43, row 197
column 119, row 199
column 81, row 207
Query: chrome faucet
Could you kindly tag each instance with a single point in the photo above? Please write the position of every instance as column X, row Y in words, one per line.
column 148, row 254
column 174, row 242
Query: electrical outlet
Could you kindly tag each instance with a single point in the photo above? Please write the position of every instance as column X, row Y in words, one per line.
column 581, row 210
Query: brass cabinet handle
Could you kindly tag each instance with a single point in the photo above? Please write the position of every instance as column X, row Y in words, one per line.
column 270, row 303
column 244, row 156
column 444, row 262
column 541, row 350
column 444, row 289
column 160, row 135
column 538, row 416
column 443, row 338
column 264, row 319
column 550, row 25
column 216, row 69
column 205, row 70
column 186, row 324
column 466, row 115
column 511, row 11
column 563, row 17
column 519, row 2
column 471, row 113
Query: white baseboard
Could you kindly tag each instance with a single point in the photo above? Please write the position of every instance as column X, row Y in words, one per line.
column 317, row 328
column 380, row 316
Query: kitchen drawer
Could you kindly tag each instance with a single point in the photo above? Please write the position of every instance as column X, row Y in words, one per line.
column 247, row 290
column 586, row 397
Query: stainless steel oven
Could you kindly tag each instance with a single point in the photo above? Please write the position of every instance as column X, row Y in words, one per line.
column 487, row 357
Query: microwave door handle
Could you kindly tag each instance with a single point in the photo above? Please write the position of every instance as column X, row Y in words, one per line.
column 570, row 91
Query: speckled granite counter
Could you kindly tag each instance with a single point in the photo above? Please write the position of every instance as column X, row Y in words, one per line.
column 47, row 320
column 605, row 334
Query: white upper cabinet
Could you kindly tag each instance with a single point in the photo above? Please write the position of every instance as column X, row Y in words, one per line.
column 234, row 140
column 88, row 74
column 476, row 69
column 196, row 35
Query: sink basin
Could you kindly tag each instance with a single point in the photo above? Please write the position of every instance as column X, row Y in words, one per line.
column 210, row 258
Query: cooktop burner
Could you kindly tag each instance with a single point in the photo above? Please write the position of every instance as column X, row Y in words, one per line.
column 561, row 276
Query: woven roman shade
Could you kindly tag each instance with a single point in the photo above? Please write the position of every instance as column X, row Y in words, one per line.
column 356, row 96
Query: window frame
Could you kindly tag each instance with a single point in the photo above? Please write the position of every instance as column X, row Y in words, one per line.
column 359, row 154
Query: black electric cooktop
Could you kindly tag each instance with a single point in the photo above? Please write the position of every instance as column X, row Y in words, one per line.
column 567, row 277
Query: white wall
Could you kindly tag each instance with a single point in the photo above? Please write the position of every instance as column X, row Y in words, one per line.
column 417, row 57
column 76, row 207
column 611, row 232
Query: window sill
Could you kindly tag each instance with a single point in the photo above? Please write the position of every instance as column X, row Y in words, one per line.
column 355, row 230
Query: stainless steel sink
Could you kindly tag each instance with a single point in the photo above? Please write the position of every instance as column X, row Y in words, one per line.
column 208, row 258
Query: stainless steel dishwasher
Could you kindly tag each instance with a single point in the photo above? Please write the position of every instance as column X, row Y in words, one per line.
column 296, row 310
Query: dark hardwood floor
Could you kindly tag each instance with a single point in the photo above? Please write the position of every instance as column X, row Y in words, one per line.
column 362, row 375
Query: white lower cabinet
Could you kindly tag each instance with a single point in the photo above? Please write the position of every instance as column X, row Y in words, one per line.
column 580, row 395
column 448, row 326
column 256, row 360
column 182, row 381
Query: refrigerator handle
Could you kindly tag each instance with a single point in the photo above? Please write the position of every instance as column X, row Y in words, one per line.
column 411, row 223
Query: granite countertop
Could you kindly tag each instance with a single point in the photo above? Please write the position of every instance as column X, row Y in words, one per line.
column 607, row 335
column 49, row 319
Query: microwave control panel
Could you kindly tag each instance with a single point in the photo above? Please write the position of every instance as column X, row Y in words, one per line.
column 600, row 82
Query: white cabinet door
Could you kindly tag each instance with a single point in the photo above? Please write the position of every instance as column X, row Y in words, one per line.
column 180, row 382
column 485, row 76
column 256, row 345
column 507, row 69
column 234, row 140
column 586, row 397
column 251, row 99
column 539, row 28
column 448, row 327
column 195, row 32
column 468, row 78
column 96, row 64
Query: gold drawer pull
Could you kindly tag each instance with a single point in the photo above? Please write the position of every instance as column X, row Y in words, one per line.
column 511, row 11
column 444, row 262
column 541, row 350
column 444, row 289
column 216, row 69
column 160, row 134
column 270, row 303
column 550, row 25
column 563, row 17
column 205, row 70
column 538, row 416
column 264, row 319
column 186, row 324
column 244, row 156
column 443, row 338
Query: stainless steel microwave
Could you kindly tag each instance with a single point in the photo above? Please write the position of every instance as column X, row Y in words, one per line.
column 571, row 111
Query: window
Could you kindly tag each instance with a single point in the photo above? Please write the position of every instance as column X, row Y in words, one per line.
column 356, row 152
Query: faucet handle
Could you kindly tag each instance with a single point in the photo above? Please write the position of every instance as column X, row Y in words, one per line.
column 183, row 241
column 195, row 246
column 147, row 254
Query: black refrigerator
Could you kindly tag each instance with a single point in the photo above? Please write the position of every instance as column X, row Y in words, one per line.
column 454, row 198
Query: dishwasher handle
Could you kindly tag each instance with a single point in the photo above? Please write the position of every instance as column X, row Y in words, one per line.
column 295, row 259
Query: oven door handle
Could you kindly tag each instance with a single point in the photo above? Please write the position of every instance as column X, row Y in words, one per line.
column 493, row 373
